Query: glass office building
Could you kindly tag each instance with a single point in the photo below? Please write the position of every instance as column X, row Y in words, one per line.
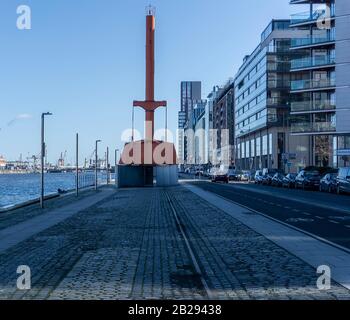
column 191, row 93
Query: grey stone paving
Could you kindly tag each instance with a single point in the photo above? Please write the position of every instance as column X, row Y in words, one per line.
column 129, row 247
column 251, row 266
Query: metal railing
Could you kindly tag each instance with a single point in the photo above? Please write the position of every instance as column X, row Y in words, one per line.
column 308, row 16
column 312, row 84
column 276, row 101
column 300, row 106
column 299, row 42
column 278, row 84
column 310, row 62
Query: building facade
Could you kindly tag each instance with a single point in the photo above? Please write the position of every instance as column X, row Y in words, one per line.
column 320, row 86
column 262, row 105
column 194, row 133
column 191, row 93
column 223, row 125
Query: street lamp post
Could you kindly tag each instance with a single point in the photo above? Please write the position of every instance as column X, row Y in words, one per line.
column 77, row 165
column 107, row 164
column 96, row 160
column 116, row 165
column 42, row 156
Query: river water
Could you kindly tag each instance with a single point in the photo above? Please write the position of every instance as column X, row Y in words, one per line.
column 18, row 188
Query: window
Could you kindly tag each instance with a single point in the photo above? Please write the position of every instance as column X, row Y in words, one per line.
column 258, row 147
column 247, row 149
column 252, row 148
column 252, row 73
column 264, row 145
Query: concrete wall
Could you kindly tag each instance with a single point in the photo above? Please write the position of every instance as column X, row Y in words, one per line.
column 166, row 175
column 131, row 176
column 136, row 176
column 342, row 47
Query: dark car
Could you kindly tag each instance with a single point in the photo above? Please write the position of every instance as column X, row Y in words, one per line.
column 343, row 180
column 268, row 174
column 289, row 180
column 308, row 179
column 277, row 180
column 233, row 174
column 219, row 176
column 258, row 177
column 329, row 182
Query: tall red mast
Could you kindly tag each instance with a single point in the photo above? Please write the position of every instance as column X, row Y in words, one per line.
column 150, row 105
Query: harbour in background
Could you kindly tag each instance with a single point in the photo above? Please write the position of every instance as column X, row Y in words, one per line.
column 19, row 188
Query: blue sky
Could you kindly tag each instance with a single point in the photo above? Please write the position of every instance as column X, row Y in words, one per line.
column 83, row 60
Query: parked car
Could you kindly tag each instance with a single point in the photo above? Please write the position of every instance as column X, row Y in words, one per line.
column 206, row 173
column 268, row 174
column 308, row 179
column 252, row 175
column 329, row 182
column 258, row 177
column 232, row 174
column 289, row 180
column 220, row 176
column 212, row 172
column 343, row 180
column 244, row 175
column 277, row 180
column 199, row 172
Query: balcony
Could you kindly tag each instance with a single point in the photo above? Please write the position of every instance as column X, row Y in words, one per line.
column 312, row 84
column 283, row 84
column 310, row 41
column 308, row 16
column 276, row 101
column 313, row 127
column 312, row 62
column 309, row 106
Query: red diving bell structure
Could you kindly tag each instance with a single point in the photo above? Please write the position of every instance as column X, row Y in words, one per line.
column 149, row 161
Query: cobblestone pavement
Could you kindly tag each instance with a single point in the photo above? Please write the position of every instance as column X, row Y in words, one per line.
column 128, row 246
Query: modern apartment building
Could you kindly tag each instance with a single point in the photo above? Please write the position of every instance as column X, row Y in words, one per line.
column 191, row 93
column 320, row 86
column 223, row 124
column 195, row 135
column 262, row 107
column 200, row 133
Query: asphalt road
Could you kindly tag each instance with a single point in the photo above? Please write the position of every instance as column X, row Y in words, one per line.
column 324, row 215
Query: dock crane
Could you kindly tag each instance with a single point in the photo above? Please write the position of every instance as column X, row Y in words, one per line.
column 62, row 159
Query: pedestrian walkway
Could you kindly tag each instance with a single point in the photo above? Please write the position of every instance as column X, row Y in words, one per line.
column 127, row 244
column 24, row 230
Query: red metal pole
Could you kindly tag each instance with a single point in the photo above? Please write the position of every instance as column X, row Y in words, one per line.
column 150, row 31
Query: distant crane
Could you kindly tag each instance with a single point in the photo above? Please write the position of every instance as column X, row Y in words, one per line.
column 62, row 159
column 35, row 159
